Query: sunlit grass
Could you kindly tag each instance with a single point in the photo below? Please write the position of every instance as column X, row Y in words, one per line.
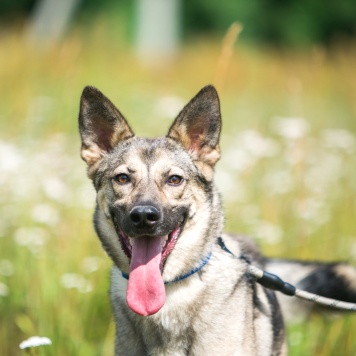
column 294, row 194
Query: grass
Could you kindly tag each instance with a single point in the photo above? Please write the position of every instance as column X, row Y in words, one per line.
column 295, row 195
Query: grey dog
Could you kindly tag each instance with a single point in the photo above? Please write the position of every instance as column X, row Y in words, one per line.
column 175, row 288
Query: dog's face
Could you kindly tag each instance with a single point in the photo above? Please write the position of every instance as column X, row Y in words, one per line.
column 151, row 193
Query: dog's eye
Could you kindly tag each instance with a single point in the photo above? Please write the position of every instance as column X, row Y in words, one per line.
column 175, row 180
column 122, row 178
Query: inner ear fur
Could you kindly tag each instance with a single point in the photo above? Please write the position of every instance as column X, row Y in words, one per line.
column 101, row 127
column 198, row 127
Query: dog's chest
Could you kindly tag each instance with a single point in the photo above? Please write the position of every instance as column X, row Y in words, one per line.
column 180, row 307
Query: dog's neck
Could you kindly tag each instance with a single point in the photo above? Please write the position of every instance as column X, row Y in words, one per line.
column 202, row 263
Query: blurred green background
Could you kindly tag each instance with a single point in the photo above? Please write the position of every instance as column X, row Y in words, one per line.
column 288, row 92
column 283, row 23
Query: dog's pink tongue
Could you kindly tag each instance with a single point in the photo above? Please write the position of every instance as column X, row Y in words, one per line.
column 146, row 294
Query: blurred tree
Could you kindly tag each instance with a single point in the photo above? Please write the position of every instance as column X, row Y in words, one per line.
column 10, row 9
column 157, row 29
column 282, row 22
column 50, row 19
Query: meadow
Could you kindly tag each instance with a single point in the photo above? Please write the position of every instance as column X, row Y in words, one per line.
column 287, row 172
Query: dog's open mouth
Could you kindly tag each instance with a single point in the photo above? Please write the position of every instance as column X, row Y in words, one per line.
column 145, row 291
column 168, row 242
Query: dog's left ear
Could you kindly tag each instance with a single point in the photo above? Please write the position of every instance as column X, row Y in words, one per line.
column 198, row 127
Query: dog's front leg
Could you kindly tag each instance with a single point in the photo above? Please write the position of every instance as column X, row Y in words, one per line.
column 127, row 340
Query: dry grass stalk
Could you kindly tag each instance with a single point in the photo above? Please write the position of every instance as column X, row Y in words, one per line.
column 226, row 52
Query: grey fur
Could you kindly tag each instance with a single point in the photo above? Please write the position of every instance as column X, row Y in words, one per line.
column 219, row 310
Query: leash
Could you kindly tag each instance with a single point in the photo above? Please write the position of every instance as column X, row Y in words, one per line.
column 271, row 281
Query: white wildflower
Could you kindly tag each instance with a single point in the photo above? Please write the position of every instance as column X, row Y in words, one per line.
column 238, row 160
column 6, row 268
column 313, row 210
column 325, row 170
column 87, row 195
column 249, row 147
column 340, row 139
column 74, row 280
column 49, row 161
column 34, row 341
column 291, row 128
column 90, row 264
column 10, row 158
column 169, row 106
column 257, row 145
column 55, row 188
column 278, row 182
column 268, row 232
column 4, row 290
column 32, row 238
column 45, row 214
column 294, row 153
column 224, row 181
column 230, row 188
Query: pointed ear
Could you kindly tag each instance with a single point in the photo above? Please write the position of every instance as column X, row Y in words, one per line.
column 198, row 127
column 101, row 127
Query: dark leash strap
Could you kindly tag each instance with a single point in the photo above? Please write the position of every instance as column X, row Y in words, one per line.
column 271, row 281
column 267, row 280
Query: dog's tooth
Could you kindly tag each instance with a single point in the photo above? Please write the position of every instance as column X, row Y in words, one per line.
column 164, row 240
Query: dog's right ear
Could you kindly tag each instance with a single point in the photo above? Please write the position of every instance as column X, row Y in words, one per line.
column 101, row 127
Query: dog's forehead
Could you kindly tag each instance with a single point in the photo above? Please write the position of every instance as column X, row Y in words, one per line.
column 159, row 152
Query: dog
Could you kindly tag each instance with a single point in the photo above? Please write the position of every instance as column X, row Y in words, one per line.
column 179, row 286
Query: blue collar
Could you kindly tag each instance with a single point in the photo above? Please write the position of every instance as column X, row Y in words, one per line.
column 204, row 261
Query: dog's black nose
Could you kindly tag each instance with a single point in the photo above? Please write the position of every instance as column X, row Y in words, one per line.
column 144, row 216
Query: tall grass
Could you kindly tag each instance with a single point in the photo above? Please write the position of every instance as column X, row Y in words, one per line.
column 287, row 173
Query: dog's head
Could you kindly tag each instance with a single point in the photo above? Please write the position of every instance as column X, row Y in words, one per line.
column 156, row 205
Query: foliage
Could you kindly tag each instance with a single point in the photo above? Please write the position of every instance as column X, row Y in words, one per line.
column 283, row 23
column 13, row 9
column 291, row 22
